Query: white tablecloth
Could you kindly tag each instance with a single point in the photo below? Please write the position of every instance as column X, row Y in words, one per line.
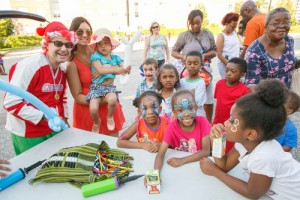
column 185, row 182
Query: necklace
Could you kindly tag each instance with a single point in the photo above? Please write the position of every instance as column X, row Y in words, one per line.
column 55, row 86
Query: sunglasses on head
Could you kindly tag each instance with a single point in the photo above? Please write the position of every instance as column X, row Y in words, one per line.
column 154, row 27
column 80, row 32
column 68, row 45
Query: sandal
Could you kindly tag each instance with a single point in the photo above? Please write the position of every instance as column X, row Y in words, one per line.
column 96, row 128
column 111, row 124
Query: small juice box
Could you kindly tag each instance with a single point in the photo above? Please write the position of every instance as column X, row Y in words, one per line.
column 219, row 146
column 153, row 181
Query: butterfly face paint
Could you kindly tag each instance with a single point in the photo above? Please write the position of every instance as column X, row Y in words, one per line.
column 151, row 105
column 184, row 107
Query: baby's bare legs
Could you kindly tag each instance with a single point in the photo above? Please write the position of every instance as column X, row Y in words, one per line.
column 111, row 99
column 94, row 109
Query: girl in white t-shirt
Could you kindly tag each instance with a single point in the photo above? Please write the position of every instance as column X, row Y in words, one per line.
column 256, row 120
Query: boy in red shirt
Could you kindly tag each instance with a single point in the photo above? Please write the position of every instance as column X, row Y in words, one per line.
column 229, row 90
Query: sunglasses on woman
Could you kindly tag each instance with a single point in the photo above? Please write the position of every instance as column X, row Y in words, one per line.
column 154, row 27
column 80, row 32
column 68, row 45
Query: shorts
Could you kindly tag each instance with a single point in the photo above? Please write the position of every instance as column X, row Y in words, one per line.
column 160, row 63
column 97, row 90
column 209, row 94
column 22, row 144
column 209, row 89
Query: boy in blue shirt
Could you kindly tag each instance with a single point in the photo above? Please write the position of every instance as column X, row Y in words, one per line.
column 289, row 138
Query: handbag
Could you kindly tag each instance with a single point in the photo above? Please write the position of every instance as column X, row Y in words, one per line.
column 295, row 85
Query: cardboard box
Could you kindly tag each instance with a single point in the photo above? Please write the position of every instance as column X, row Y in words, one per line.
column 219, row 146
column 153, row 181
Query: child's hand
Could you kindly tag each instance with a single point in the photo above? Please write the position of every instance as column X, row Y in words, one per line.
column 96, row 74
column 106, row 65
column 148, row 146
column 208, row 167
column 216, row 131
column 175, row 162
column 145, row 182
column 156, row 145
column 3, row 168
column 121, row 70
column 128, row 69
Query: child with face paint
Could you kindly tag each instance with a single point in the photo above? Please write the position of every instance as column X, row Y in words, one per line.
column 149, row 128
column 150, row 67
column 193, row 82
column 187, row 132
column 256, row 120
column 167, row 84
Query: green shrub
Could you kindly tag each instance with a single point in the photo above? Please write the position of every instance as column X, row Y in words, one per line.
column 295, row 29
column 21, row 41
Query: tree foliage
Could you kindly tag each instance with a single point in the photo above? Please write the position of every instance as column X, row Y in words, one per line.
column 237, row 6
column 201, row 7
column 288, row 4
column 6, row 27
column 262, row 5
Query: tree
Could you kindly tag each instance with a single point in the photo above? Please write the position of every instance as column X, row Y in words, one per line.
column 288, row 4
column 201, row 7
column 237, row 6
column 6, row 27
column 262, row 6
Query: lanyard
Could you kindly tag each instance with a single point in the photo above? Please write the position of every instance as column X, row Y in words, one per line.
column 55, row 86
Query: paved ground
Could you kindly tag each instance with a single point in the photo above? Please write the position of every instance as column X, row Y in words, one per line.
column 126, row 97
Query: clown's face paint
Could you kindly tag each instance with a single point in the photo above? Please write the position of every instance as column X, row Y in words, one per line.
column 149, row 71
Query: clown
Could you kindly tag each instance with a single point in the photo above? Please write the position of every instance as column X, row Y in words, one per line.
column 42, row 76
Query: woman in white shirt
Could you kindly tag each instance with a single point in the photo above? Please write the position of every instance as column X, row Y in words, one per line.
column 228, row 44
